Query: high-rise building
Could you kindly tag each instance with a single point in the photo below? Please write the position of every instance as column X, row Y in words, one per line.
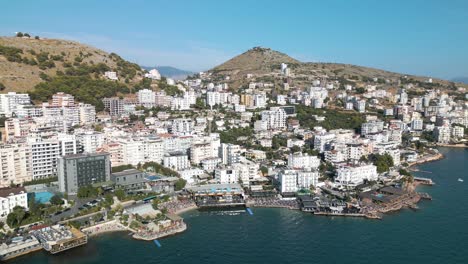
column 80, row 170
column 63, row 100
column 114, row 105
column 9, row 102
column 275, row 118
column 146, row 98
column 15, row 164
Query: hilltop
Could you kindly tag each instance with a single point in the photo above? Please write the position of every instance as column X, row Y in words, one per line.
column 263, row 64
column 255, row 60
column 26, row 62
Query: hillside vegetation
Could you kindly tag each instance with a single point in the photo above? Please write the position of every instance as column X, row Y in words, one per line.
column 264, row 64
column 26, row 62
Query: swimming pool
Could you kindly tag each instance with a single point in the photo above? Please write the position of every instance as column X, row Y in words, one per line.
column 43, row 197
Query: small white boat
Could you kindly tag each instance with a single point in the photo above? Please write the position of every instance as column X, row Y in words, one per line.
column 460, row 179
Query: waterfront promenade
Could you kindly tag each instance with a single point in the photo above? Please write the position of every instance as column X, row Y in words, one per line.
column 106, row 227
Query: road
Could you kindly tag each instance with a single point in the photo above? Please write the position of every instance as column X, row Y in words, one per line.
column 79, row 202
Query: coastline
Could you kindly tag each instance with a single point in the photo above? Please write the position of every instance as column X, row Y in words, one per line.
column 426, row 159
column 103, row 228
column 452, row 145
column 184, row 210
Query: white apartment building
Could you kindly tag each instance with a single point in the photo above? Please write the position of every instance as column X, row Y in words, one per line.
column 307, row 178
column 229, row 153
column 372, row 127
column 190, row 174
column 201, row 151
column 318, row 93
column 442, row 134
column 45, row 152
column 28, row 111
column 353, row 176
column 15, row 164
column 90, row 141
column 457, row 132
column 180, row 103
column 247, row 171
column 146, row 98
column 9, row 102
column 281, row 99
column 61, row 99
column 275, row 118
column 303, row 161
column 44, row 155
column 360, row 105
column 417, row 124
column 182, row 126
column 111, row 75
column 87, row 114
column 17, row 127
column 335, row 156
column 114, row 105
column 210, row 164
column 176, row 161
column 138, row 150
column 12, row 197
column 225, row 175
column 292, row 181
column 260, row 100
column 321, row 140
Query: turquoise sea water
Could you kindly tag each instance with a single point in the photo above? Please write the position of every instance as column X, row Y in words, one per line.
column 437, row 233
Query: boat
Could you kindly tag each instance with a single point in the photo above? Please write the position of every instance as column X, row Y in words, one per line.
column 249, row 211
column 460, row 179
column 156, row 242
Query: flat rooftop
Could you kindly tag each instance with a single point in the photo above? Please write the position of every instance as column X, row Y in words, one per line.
column 216, row 188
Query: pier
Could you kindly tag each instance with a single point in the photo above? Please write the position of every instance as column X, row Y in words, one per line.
column 59, row 238
column 425, row 181
column 424, row 196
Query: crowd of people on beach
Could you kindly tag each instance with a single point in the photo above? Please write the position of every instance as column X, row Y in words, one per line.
column 148, row 234
column 105, row 227
column 176, row 206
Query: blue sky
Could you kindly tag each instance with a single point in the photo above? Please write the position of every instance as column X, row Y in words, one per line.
column 416, row 37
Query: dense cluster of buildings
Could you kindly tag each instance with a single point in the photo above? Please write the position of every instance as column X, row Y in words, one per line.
column 67, row 139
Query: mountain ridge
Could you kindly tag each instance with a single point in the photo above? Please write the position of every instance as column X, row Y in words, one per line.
column 264, row 63
column 26, row 62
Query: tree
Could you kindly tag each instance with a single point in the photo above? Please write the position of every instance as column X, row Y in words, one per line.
column 56, row 200
column 20, row 213
column 19, row 34
column 2, row 87
column 180, row 184
column 383, row 162
column 264, row 170
column 16, row 216
column 87, row 191
column 11, row 219
column 97, row 217
column 295, row 149
column 109, row 198
column 120, row 193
